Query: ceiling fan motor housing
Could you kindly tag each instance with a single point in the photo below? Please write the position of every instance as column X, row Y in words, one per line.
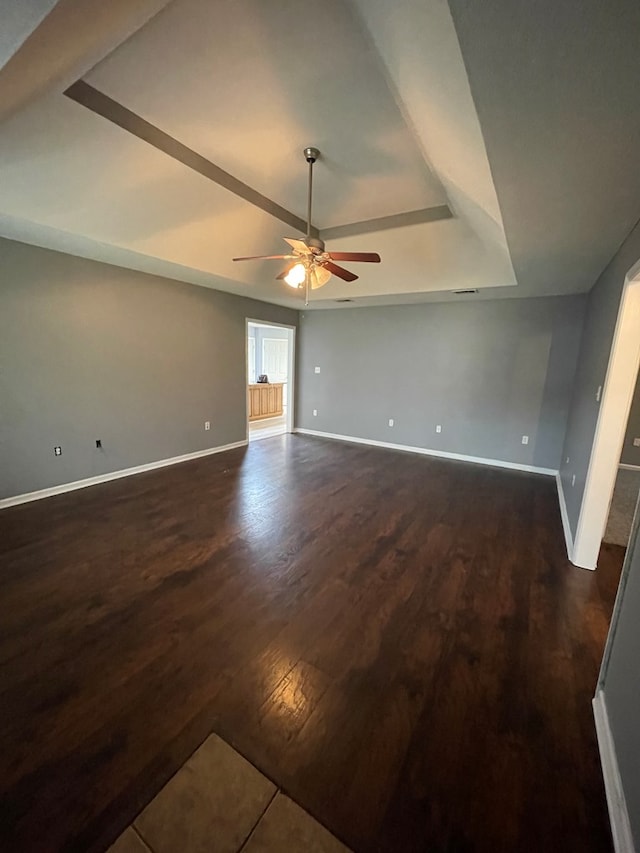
column 311, row 154
column 314, row 243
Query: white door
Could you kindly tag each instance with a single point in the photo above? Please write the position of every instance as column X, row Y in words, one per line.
column 275, row 359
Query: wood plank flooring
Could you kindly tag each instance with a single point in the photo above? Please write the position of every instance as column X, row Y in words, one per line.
column 398, row 642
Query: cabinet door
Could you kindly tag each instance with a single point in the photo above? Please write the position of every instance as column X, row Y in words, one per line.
column 264, row 400
column 254, row 409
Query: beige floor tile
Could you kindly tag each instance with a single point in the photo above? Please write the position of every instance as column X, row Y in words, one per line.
column 286, row 828
column 210, row 805
column 129, row 842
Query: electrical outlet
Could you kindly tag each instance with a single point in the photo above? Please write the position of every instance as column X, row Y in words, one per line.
column 598, row 393
column 438, row 428
column 573, row 480
column 316, row 370
column 390, row 421
column 99, row 443
column 57, row 451
column 207, row 424
column 525, row 439
column 636, row 442
column 315, row 413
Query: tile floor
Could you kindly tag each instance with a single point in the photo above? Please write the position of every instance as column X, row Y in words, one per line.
column 219, row 803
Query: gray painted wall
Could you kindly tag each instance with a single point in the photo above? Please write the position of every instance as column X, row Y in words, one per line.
column 600, row 322
column 620, row 680
column 92, row 351
column 631, row 454
column 488, row 372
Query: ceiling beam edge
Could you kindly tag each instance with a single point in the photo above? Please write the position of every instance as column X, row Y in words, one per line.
column 385, row 223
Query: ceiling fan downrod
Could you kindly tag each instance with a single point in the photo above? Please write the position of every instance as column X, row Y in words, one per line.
column 311, row 155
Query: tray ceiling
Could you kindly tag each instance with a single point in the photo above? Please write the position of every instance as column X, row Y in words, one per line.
column 412, row 113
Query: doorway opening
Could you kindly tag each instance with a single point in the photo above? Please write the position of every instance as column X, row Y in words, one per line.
column 609, row 440
column 627, row 485
column 270, row 379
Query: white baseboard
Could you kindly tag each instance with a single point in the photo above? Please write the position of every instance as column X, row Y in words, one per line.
column 114, row 475
column 618, row 815
column 629, row 467
column 459, row 457
column 568, row 537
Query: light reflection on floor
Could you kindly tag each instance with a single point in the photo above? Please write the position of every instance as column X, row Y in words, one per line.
column 267, row 427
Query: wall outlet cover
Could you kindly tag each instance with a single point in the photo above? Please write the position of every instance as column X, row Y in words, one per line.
column 390, row 421
column 207, row 424
column 57, row 451
column 438, row 428
column 525, row 439
column 315, row 413
column 316, row 370
column 636, row 442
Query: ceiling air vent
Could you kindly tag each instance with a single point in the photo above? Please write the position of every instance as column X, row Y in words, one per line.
column 465, row 292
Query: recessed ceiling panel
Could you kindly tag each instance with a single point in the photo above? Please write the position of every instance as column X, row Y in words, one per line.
column 63, row 167
column 71, row 172
column 248, row 84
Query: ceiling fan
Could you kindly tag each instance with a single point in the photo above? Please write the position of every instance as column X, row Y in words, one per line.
column 310, row 265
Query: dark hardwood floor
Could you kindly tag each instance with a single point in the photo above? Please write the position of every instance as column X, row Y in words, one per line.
column 397, row 641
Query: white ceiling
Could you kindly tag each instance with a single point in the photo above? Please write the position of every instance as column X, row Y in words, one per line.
column 19, row 19
column 555, row 86
column 246, row 84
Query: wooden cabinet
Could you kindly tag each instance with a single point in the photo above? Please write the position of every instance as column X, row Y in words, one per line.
column 265, row 400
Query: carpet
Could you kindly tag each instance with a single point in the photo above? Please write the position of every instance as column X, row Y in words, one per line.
column 623, row 506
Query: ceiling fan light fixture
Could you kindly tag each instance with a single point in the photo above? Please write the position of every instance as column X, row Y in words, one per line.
column 296, row 275
column 319, row 276
column 312, row 266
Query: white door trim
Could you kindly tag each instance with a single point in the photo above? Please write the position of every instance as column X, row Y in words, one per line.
column 291, row 379
column 619, row 385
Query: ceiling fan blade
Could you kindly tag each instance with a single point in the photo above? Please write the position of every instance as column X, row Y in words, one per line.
column 265, row 258
column 297, row 245
column 342, row 273
column 363, row 257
